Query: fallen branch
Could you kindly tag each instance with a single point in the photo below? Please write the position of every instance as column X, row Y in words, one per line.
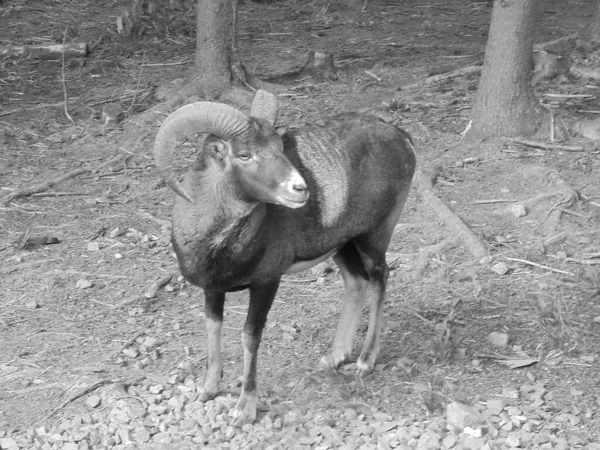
column 566, row 148
column 42, row 187
column 541, row 266
column 53, row 51
column 451, row 220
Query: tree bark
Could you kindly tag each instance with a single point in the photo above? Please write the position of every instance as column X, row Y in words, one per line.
column 217, row 65
column 505, row 104
column 594, row 30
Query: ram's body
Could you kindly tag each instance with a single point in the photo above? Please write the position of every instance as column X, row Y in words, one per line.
column 255, row 206
column 352, row 192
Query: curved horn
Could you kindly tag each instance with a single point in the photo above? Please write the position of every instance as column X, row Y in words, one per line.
column 264, row 106
column 219, row 119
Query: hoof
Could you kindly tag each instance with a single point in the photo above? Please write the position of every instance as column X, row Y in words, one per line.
column 363, row 369
column 331, row 362
column 241, row 418
column 206, row 395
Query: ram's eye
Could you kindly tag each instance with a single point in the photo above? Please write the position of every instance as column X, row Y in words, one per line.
column 244, row 156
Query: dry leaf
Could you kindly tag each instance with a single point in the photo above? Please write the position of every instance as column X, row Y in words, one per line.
column 517, row 363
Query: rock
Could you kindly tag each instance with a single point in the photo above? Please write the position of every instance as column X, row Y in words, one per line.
column 513, row 439
column 429, row 440
column 93, row 246
column 500, row 268
column 112, row 114
column 471, row 443
column 70, row 446
column 84, row 284
column 510, row 393
column 518, row 210
column 448, row 442
column 498, row 339
column 7, row 443
column 130, row 352
column 93, row 401
column 460, row 416
column 495, row 406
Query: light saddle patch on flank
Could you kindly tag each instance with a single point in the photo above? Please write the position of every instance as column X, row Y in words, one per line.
column 321, row 153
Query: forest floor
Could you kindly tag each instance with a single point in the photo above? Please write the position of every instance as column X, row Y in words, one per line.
column 73, row 314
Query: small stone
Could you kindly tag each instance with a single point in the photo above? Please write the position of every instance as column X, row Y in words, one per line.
column 156, row 388
column 518, row 210
column 500, row 268
column 513, row 439
column 588, row 358
column 498, row 339
column 70, row 446
column 150, row 342
column 429, row 440
column 118, row 256
column 495, row 406
column 460, row 416
column 83, row 284
column 510, row 393
column 576, row 393
column 130, row 352
column 448, row 442
column 93, row 246
column 471, row 443
column 112, row 114
column 93, row 401
column 7, row 443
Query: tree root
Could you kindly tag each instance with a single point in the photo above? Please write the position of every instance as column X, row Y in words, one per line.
column 445, row 76
column 452, row 221
column 42, row 187
column 426, row 252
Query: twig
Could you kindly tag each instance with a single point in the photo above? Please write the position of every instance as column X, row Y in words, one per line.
column 74, row 396
column 551, row 126
column 49, row 184
column 568, row 95
column 136, row 86
column 566, row 148
column 494, row 200
column 541, row 266
column 375, row 77
column 64, row 84
column 58, row 194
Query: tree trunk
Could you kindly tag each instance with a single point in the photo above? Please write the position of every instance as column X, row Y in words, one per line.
column 217, row 67
column 594, row 30
column 505, row 104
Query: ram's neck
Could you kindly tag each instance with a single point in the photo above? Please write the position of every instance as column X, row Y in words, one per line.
column 217, row 220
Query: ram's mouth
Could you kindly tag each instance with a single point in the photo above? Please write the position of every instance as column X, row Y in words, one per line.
column 293, row 203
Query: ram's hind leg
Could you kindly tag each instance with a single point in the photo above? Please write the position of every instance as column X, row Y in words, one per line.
column 213, row 310
column 355, row 283
column 372, row 248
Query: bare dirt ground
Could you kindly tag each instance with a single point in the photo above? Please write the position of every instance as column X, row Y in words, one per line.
column 73, row 313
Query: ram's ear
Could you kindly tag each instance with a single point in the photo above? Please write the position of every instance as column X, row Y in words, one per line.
column 215, row 147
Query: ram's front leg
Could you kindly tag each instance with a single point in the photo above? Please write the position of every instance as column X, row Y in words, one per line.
column 261, row 299
column 213, row 310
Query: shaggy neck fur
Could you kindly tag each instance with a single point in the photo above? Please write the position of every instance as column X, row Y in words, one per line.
column 220, row 220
